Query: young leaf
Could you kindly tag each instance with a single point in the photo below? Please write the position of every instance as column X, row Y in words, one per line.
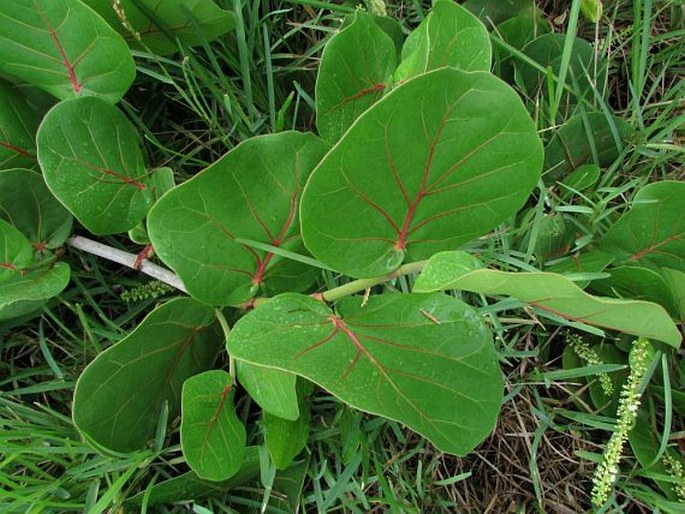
column 92, row 163
column 26, row 203
column 355, row 66
column 212, row 436
column 160, row 23
column 64, row 48
column 16, row 251
column 449, row 36
column 452, row 153
column 285, row 439
column 119, row 395
column 558, row 295
column 424, row 360
column 250, row 193
column 652, row 233
column 18, row 125
column 273, row 390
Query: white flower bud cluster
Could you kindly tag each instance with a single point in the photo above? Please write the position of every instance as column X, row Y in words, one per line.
column 590, row 357
column 607, row 471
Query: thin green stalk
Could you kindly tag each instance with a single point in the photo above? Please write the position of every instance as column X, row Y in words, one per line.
column 357, row 286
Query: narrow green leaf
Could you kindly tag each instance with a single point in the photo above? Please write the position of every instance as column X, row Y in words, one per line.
column 424, row 360
column 92, row 163
column 159, row 24
column 652, row 233
column 449, row 36
column 250, row 193
column 212, row 436
column 27, row 203
column 355, row 67
column 119, row 395
column 558, row 295
column 274, row 390
column 18, row 125
column 452, row 153
column 64, row 48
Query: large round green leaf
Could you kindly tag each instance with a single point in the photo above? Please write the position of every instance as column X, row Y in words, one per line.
column 159, row 23
column 438, row 162
column 93, row 164
column 251, row 193
column 18, row 125
column 119, row 396
column 64, row 48
column 26, row 203
column 212, row 436
column 425, row 360
column 355, row 66
column 652, row 233
column 449, row 36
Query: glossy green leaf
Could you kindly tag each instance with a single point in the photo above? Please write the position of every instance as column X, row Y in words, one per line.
column 274, row 390
column 355, row 66
column 250, row 193
column 119, row 395
column 212, row 436
column 18, row 125
column 26, row 293
column 652, row 232
column 496, row 11
column 64, row 48
column 160, row 23
column 285, row 439
column 453, row 154
column 189, row 486
column 583, row 177
column 449, row 36
column 590, row 262
column 517, row 32
column 27, row 203
column 558, row 295
column 575, row 141
column 25, row 284
column 554, row 238
column 675, row 281
column 92, row 163
column 425, row 360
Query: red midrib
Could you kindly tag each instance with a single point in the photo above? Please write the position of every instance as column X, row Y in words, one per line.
column 278, row 240
column 217, row 413
column 7, row 265
column 367, row 91
column 16, row 149
column 652, row 248
column 71, row 72
column 123, row 178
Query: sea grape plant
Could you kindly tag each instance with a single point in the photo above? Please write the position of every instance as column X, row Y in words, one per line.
column 420, row 152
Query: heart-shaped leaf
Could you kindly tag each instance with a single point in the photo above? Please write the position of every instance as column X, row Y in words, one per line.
column 159, row 23
column 652, row 233
column 555, row 294
column 449, row 36
column 274, row 390
column 251, row 193
column 26, row 203
column 25, row 285
column 92, row 163
column 212, row 436
column 119, row 395
column 446, row 157
column 64, row 48
column 18, row 125
column 354, row 69
column 425, row 360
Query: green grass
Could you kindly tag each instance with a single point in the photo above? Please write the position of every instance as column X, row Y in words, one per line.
column 190, row 111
